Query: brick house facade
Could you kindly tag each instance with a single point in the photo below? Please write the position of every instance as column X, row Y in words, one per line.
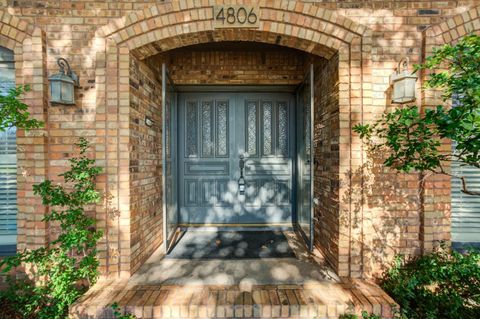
column 366, row 213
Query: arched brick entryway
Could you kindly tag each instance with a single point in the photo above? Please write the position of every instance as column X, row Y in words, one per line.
column 168, row 26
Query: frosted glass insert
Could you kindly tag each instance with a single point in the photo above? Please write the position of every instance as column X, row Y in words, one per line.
column 283, row 128
column 207, row 131
column 252, row 128
column 222, row 128
column 267, row 128
column 191, row 129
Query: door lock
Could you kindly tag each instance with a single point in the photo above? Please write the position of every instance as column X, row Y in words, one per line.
column 241, row 180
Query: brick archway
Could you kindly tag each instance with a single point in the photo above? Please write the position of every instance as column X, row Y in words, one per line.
column 436, row 220
column 172, row 25
column 28, row 45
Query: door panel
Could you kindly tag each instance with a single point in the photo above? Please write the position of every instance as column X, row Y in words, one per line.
column 268, row 137
column 169, row 112
column 305, row 153
column 215, row 130
column 205, row 134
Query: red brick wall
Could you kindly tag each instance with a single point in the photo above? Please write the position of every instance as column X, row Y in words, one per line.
column 326, row 168
column 235, row 63
column 146, row 215
column 369, row 36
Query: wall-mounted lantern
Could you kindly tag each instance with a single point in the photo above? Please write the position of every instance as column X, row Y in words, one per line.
column 403, row 83
column 62, row 84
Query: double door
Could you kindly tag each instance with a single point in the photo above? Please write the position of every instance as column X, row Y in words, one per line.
column 235, row 158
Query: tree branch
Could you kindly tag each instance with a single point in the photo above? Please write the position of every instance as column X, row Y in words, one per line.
column 464, row 189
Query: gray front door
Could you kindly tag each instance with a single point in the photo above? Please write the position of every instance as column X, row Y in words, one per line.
column 215, row 131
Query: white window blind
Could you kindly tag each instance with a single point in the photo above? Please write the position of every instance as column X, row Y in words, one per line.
column 465, row 208
column 8, row 162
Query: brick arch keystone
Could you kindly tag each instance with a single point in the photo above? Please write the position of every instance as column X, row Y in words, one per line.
column 28, row 45
column 176, row 24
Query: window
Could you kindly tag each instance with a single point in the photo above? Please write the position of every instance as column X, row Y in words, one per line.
column 465, row 208
column 8, row 164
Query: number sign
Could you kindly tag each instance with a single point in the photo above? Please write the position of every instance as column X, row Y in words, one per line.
column 236, row 16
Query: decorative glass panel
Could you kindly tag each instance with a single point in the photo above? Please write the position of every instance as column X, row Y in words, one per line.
column 252, row 128
column 192, row 129
column 283, row 128
column 222, row 128
column 267, row 127
column 207, row 130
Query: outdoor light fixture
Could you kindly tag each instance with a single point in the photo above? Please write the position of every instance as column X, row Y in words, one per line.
column 148, row 121
column 62, row 84
column 403, row 83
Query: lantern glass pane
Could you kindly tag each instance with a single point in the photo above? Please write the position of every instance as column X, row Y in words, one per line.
column 398, row 91
column 409, row 89
column 55, row 91
column 67, row 92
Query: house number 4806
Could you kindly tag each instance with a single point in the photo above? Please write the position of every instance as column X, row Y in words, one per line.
column 235, row 16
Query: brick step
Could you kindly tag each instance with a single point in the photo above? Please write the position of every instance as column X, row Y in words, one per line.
column 319, row 300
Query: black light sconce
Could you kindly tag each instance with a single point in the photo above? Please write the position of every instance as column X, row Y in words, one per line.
column 62, row 84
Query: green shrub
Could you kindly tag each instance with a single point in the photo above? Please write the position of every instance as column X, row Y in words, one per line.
column 62, row 271
column 14, row 113
column 118, row 314
column 442, row 284
column 412, row 138
column 365, row 315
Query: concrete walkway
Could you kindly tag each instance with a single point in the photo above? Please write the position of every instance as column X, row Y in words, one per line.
column 304, row 269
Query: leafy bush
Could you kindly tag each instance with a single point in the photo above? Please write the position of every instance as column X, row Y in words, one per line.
column 13, row 112
column 365, row 315
column 439, row 285
column 61, row 272
column 412, row 139
column 118, row 314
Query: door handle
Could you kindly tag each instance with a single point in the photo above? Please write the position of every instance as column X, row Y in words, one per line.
column 241, row 180
column 241, row 163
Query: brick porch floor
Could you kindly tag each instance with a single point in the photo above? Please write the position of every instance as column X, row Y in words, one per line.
column 303, row 287
column 320, row 300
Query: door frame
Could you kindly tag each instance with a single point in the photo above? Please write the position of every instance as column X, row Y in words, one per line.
column 169, row 238
column 216, row 88
column 309, row 78
column 256, row 89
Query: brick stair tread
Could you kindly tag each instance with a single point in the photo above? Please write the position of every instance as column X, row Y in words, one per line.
column 327, row 300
